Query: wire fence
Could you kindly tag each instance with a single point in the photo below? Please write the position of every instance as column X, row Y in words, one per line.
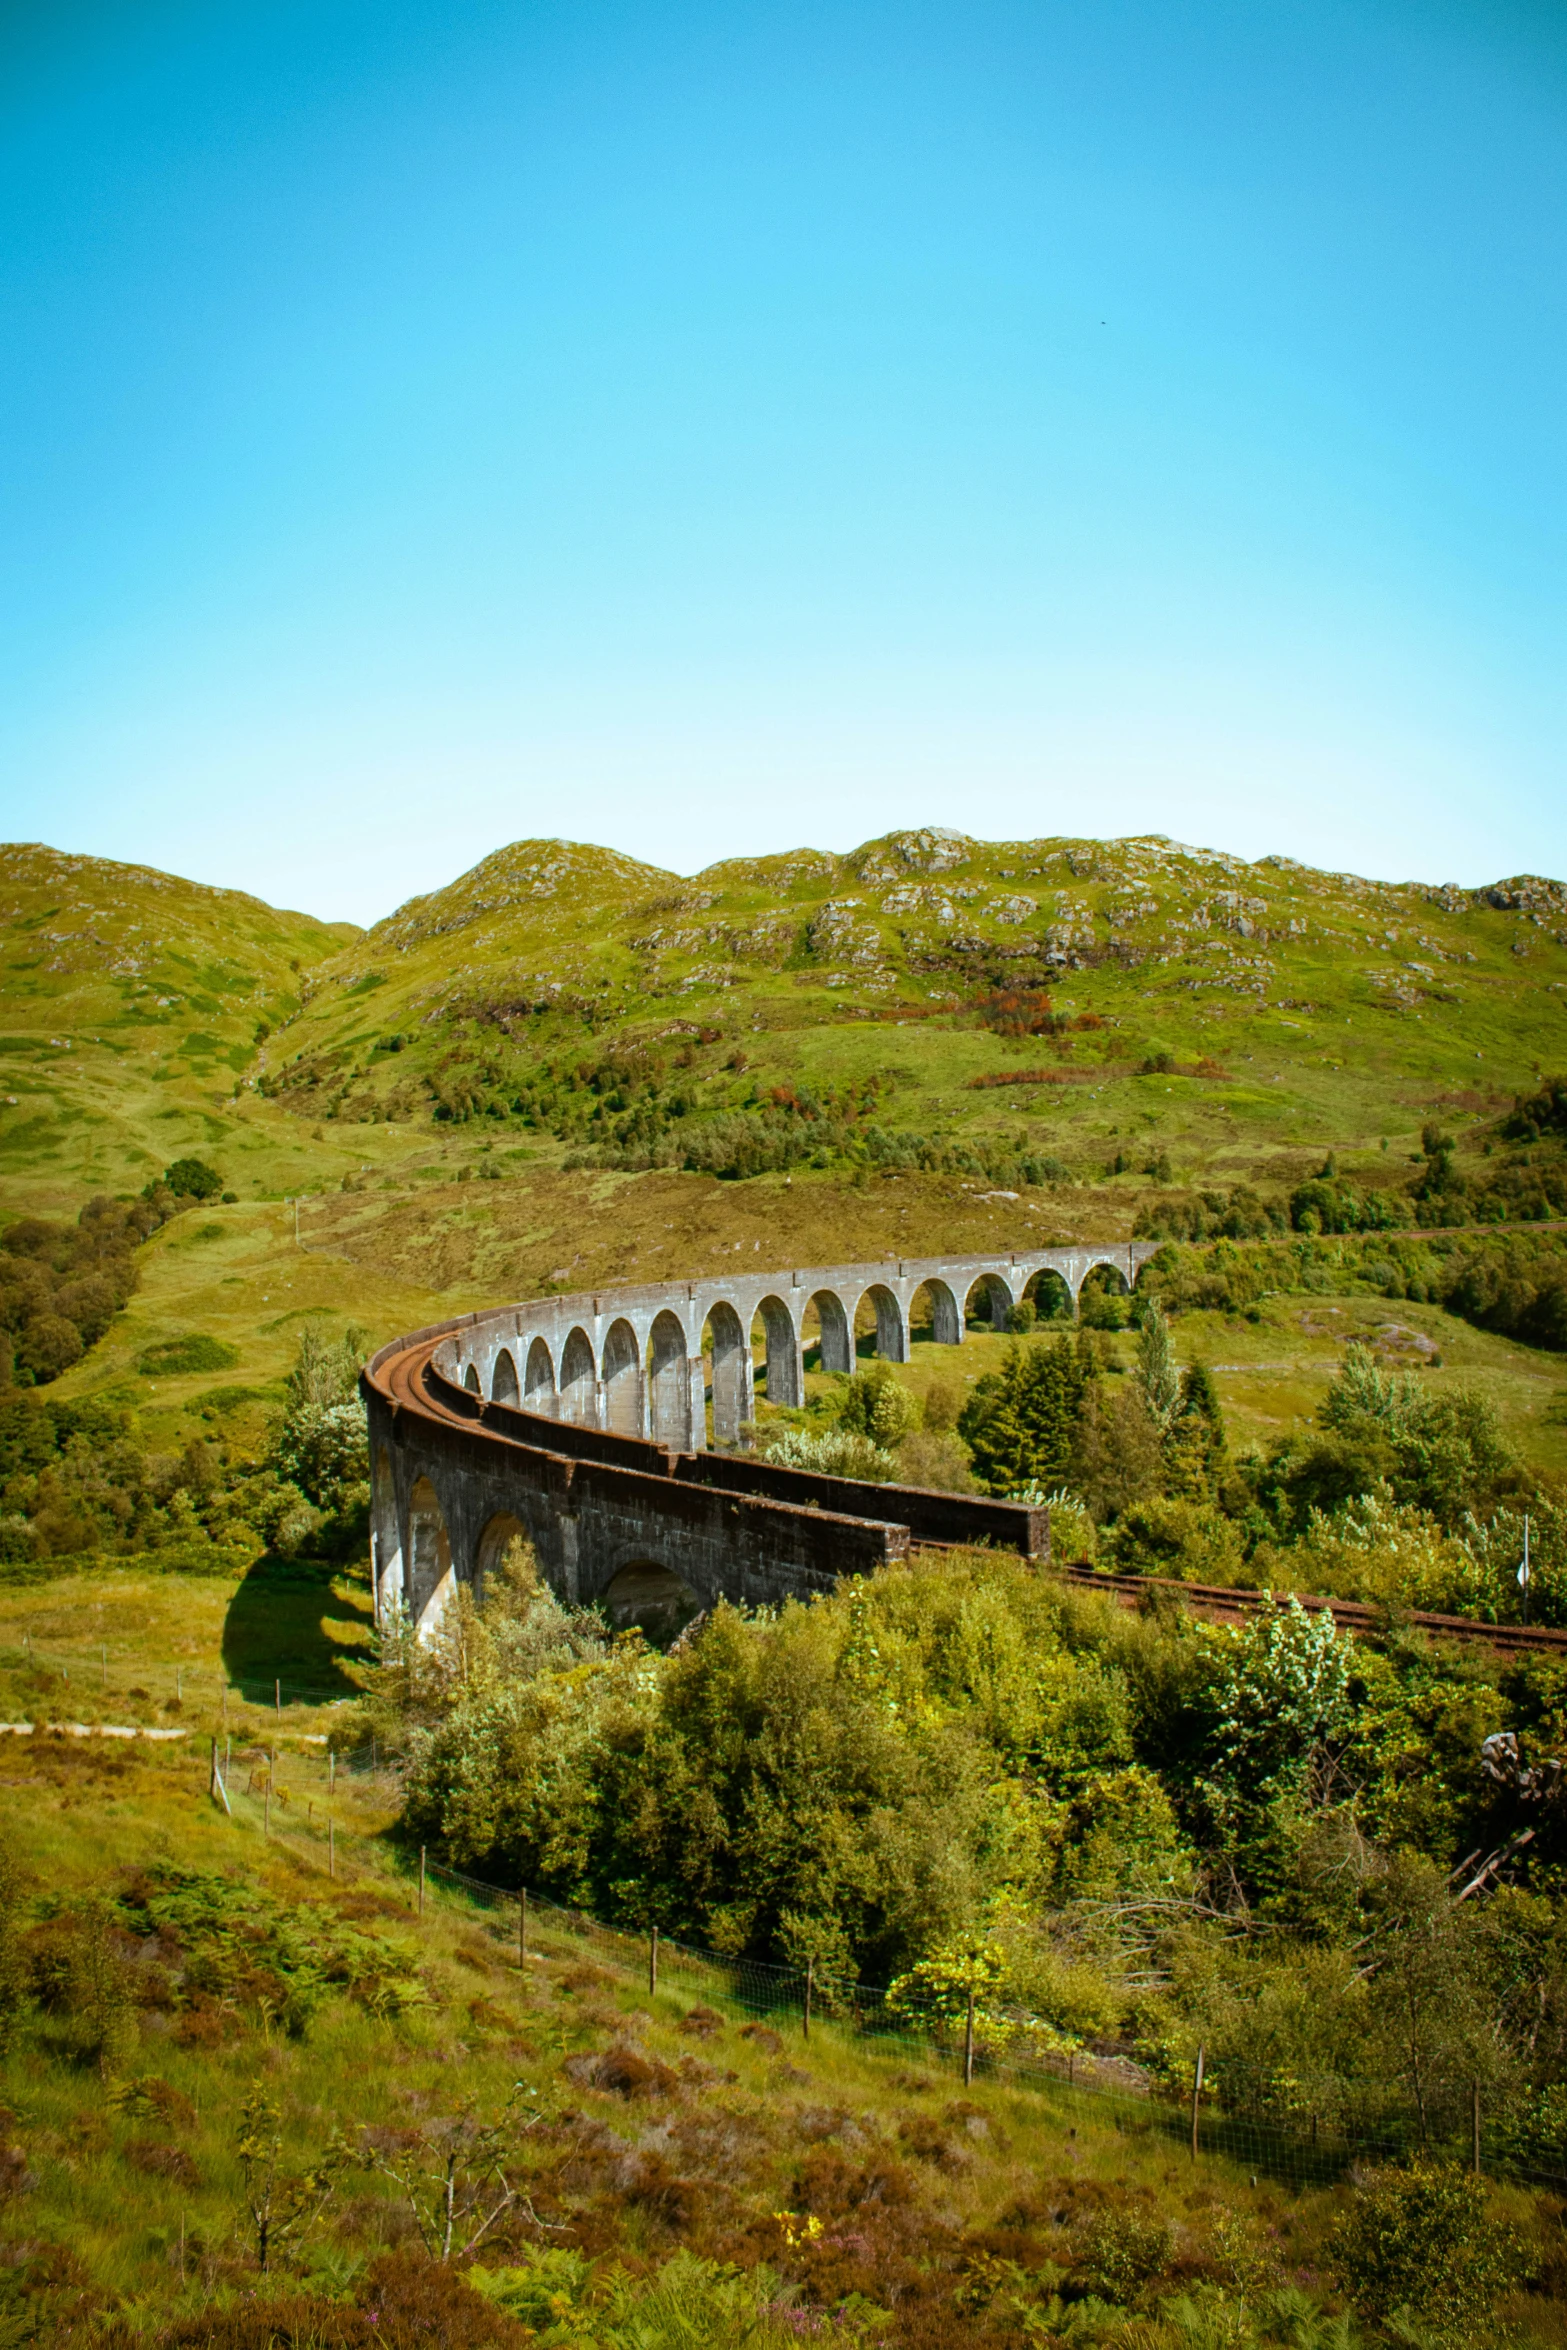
column 1359, row 2123
column 1335, row 2126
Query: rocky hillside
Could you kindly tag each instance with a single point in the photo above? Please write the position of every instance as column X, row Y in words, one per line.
column 1050, row 996
column 1128, row 1011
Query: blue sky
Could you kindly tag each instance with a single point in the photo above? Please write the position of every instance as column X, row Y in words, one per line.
column 707, row 428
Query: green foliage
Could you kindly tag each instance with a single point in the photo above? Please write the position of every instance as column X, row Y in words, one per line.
column 829, row 1452
column 279, row 1961
column 875, row 1404
column 61, row 1285
column 283, row 2203
column 688, row 2304
column 1420, row 2244
column 1120, row 2250
column 176, row 1358
column 1020, row 1423
column 319, row 1453
column 1191, row 1542
column 1278, row 1696
column 1156, row 1372
column 192, row 1179
column 1443, row 1453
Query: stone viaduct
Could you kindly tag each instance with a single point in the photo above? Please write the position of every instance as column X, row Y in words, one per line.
column 582, row 1423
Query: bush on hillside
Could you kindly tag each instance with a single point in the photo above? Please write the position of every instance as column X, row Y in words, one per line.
column 192, row 1179
column 176, row 1358
column 61, row 1285
column 1420, row 2246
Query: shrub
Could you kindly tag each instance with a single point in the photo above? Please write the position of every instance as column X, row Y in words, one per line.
column 173, row 1358
column 1420, row 2243
column 1119, row 2251
column 193, row 1179
column 836, row 1452
column 875, row 1404
column 1191, row 1541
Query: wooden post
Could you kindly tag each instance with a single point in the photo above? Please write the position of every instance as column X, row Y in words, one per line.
column 421, row 1880
column 522, row 1927
column 212, row 1775
column 331, row 1770
column 652, row 1960
column 810, row 1985
column 277, row 1699
column 968, row 2042
column 1196, row 2100
column 179, row 1684
column 1474, row 2125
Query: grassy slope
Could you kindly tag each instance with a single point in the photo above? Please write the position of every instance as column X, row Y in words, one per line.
column 736, row 2131
column 129, row 1005
column 1345, row 1011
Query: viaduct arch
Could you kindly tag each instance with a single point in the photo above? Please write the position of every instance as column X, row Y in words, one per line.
column 581, row 1422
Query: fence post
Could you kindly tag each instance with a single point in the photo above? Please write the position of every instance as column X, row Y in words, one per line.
column 1474, row 2125
column 522, row 1927
column 810, row 1985
column 652, row 1960
column 277, row 1699
column 1196, row 2100
column 421, row 1880
column 968, row 2041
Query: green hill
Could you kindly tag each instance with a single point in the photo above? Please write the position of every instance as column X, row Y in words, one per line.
column 1068, row 1003
column 130, row 1003
column 1054, row 999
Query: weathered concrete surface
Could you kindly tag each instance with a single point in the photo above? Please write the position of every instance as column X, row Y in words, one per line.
column 581, row 1422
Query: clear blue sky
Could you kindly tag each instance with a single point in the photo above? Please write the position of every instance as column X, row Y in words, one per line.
column 708, row 426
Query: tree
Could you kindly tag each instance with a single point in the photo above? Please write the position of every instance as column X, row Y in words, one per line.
column 284, row 2205
column 193, row 1179
column 1020, row 1423
column 1279, row 1695
column 1156, row 1372
column 1117, row 1457
column 875, row 1404
column 319, row 1444
column 456, row 2171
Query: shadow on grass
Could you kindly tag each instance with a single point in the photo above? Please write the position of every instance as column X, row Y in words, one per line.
column 276, row 1630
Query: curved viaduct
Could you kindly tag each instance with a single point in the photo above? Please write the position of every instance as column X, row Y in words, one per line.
column 581, row 1422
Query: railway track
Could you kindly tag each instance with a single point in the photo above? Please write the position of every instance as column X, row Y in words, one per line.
column 406, row 1378
column 1225, row 1605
